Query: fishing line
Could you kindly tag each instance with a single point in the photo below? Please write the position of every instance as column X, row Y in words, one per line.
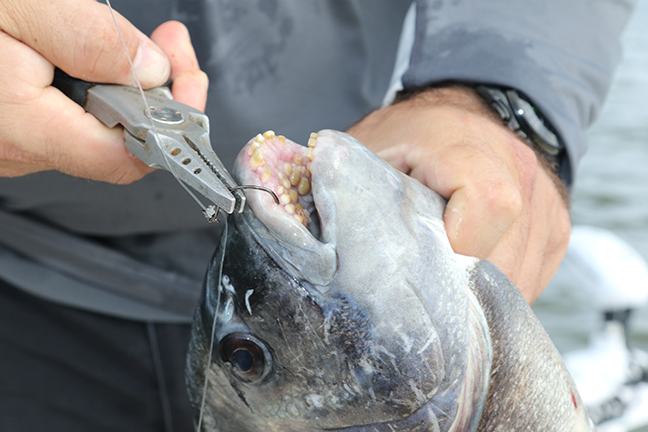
column 208, row 211
column 212, row 339
column 211, row 211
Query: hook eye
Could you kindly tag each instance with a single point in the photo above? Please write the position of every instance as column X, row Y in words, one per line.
column 249, row 357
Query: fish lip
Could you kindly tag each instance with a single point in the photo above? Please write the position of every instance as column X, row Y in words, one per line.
column 418, row 412
column 265, row 206
column 305, row 256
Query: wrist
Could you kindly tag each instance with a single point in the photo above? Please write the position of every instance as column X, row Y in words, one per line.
column 468, row 99
column 506, row 106
column 452, row 95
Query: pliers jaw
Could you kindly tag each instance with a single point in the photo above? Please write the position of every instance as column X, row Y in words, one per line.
column 162, row 133
column 193, row 163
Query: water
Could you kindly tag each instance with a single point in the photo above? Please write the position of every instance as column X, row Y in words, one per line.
column 611, row 191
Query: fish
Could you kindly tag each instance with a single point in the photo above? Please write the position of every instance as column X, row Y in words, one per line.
column 342, row 307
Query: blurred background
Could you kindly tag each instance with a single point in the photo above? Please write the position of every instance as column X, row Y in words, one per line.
column 611, row 191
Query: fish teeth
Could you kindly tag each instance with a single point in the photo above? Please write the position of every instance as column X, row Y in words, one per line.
column 295, row 177
column 266, row 173
column 285, row 183
column 312, row 140
column 257, row 159
column 285, row 199
column 304, row 186
column 292, row 175
column 253, row 148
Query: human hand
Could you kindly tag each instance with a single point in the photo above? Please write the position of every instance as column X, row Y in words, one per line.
column 40, row 128
column 503, row 204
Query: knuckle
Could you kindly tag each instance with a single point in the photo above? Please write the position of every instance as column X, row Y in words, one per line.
column 196, row 78
column 202, row 77
column 15, row 18
column 102, row 53
column 503, row 198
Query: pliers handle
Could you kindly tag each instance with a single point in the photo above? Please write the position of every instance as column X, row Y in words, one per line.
column 175, row 136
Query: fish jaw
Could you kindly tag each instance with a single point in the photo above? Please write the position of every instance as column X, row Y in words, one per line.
column 284, row 167
column 369, row 325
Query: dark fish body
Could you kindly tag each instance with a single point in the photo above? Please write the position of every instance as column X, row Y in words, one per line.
column 367, row 322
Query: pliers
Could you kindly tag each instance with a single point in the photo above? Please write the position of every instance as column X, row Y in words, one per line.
column 168, row 135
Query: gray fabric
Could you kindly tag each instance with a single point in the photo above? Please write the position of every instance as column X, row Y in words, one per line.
column 298, row 66
column 560, row 54
column 87, row 273
column 291, row 66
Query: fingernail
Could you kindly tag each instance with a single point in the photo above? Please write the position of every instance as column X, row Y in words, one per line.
column 151, row 65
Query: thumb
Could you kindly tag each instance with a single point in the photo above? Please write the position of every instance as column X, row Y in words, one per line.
column 80, row 37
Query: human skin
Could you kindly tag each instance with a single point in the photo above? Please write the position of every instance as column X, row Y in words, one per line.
column 504, row 204
column 40, row 128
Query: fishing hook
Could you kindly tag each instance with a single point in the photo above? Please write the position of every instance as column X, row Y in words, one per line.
column 261, row 188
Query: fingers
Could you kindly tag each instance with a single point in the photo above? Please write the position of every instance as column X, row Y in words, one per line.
column 484, row 199
column 502, row 204
column 501, row 207
column 80, row 37
column 451, row 156
column 190, row 84
column 41, row 129
column 545, row 234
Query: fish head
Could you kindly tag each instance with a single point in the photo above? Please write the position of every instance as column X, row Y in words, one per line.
column 343, row 307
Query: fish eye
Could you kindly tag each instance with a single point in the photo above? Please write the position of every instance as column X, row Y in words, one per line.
column 249, row 357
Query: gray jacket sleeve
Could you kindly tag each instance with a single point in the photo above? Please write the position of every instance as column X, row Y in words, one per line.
column 561, row 54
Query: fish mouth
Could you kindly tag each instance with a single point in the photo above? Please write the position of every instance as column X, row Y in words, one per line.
column 320, row 192
column 298, row 230
column 284, row 167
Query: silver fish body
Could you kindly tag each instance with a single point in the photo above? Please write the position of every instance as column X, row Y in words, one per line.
column 367, row 322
